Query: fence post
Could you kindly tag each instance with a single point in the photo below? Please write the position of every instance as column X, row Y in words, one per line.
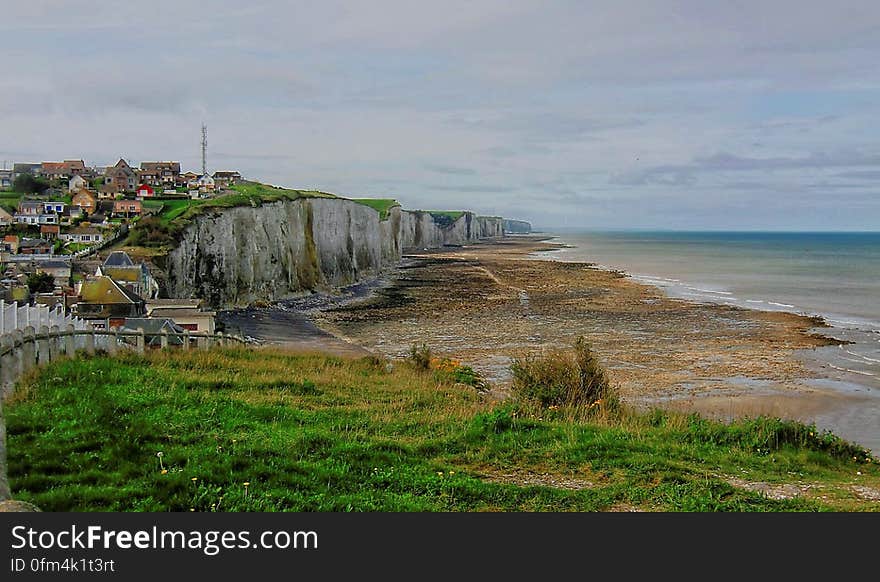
column 163, row 339
column 70, row 341
column 44, row 352
column 5, row 492
column 18, row 366
column 141, row 341
column 28, row 349
column 90, row 340
column 14, row 314
column 202, row 342
column 7, row 365
column 2, row 316
column 113, row 343
column 186, row 340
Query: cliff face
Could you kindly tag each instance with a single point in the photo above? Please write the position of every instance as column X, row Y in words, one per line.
column 242, row 254
column 517, row 226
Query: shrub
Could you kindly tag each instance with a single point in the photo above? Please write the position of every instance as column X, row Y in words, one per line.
column 448, row 370
column 420, row 356
column 150, row 232
column 564, row 378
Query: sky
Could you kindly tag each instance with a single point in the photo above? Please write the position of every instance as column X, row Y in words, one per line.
column 617, row 114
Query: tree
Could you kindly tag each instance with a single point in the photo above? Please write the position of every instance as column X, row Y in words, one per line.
column 29, row 184
column 41, row 282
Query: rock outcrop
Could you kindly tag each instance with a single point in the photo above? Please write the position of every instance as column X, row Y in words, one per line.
column 238, row 255
column 517, row 226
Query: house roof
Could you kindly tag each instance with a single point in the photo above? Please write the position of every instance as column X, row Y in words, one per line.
column 84, row 230
column 160, row 166
column 118, row 259
column 53, row 167
column 33, row 242
column 174, row 312
column 174, row 303
column 86, row 194
column 104, row 290
column 30, row 204
column 53, row 265
column 127, row 274
column 4, row 213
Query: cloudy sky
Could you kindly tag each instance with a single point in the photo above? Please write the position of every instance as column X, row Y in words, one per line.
column 613, row 114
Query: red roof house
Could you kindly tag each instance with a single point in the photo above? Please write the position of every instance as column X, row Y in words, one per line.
column 145, row 191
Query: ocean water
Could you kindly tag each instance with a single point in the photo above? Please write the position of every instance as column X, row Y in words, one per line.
column 832, row 275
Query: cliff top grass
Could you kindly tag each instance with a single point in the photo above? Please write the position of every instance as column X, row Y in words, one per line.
column 269, row 430
column 176, row 214
column 381, row 205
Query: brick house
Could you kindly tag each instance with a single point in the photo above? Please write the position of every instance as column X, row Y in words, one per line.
column 83, row 234
column 127, row 208
column 160, row 173
column 85, row 200
column 119, row 179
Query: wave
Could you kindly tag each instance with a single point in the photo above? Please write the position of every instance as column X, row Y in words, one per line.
column 781, row 304
column 852, row 371
column 866, row 358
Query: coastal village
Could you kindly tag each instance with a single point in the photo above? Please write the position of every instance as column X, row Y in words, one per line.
column 59, row 222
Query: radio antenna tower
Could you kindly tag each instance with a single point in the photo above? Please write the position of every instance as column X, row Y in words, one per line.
column 204, row 149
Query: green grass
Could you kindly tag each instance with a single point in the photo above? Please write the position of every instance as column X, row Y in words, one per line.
column 316, row 433
column 381, row 205
column 176, row 214
column 9, row 200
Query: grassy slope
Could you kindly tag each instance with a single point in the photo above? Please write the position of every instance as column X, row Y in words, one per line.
column 321, row 433
column 381, row 205
column 9, row 200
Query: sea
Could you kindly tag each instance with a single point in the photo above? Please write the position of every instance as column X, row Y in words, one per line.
column 834, row 275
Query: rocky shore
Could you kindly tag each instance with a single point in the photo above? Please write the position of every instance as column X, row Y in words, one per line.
column 486, row 303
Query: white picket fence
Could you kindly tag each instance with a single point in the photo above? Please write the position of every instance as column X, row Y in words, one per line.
column 17, row 317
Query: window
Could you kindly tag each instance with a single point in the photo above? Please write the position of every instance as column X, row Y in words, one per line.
column 86, row 238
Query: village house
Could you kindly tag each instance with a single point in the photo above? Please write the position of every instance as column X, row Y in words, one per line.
column 83, row 234
column 187, row 313
column 62, row 170
column 50, row 231
column 84, row 200
column 205, row 184
column 145, row 191
column 127, row 208
column 160, row 173
column 55, row 207
column 59, row 269
column 31, row 212
column 5, row 179
column 10, row 244
column 190, row 179
column 118, row 179
column 135, row 277
column 226, row 178
column 106, row 304
column 34, row 246
column 76, row 184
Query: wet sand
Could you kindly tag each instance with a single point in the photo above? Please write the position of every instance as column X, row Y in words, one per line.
column 485, row 304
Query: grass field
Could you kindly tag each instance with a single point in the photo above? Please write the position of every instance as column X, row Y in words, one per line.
column 381, row 205
column 9, row 200
column 265, row 430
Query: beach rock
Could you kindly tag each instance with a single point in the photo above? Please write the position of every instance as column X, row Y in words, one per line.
column 12, row 506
